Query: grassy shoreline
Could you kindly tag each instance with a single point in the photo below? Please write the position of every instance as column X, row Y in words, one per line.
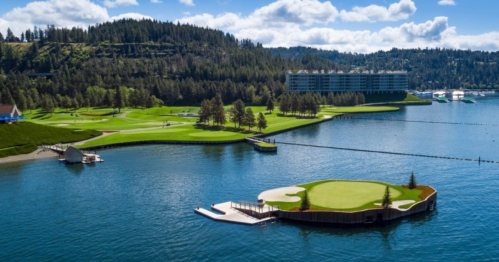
column 134, row 126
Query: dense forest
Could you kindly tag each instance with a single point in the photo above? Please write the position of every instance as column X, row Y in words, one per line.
column 427, row 68
column 146, row 63
column 153, row 62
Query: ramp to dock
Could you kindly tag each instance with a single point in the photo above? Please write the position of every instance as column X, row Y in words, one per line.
column 230, row 214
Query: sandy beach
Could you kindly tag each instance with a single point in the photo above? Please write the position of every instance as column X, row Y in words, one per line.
column 38, row 154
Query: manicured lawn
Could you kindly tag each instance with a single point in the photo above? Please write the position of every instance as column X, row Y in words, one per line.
column 347, row 195
column 181, row 133
column 266, row 145
column 23, row 138
column 359, row 109
column 136, row 118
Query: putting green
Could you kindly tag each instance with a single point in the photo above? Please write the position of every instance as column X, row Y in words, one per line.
column 348, row 194
column 212, row 134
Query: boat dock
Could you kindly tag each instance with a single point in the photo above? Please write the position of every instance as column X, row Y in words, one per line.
column 231, row 212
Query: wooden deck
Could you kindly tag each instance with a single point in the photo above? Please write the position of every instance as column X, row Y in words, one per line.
column 232, row 215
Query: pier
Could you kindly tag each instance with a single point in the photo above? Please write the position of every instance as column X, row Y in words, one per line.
column 233, row 213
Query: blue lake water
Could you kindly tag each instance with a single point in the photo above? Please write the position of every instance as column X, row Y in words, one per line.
column 138, row 205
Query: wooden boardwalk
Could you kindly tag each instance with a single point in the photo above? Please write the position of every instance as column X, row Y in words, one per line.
column 232, row 215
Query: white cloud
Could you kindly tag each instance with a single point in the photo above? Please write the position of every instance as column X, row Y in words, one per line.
column 116, row 3
column 135, row 16
column 61, row 13
column 446, row 2
column 187, row 2
column 372, row 13
column 156, row 1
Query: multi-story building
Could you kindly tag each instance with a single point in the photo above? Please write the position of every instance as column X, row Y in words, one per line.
column 353, row 81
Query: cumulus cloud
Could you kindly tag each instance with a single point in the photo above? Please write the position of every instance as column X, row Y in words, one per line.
column 156, row 1
column 60, row 13
column 446, row 2
column 187, row 2
column 116, row 3
column 396, row 11
column 135, row 16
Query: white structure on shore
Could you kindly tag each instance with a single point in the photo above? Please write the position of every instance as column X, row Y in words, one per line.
column 74, row 155
column 353, row 81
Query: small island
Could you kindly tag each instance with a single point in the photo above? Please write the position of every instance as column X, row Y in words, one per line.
column 349, row 201
column 329, row 202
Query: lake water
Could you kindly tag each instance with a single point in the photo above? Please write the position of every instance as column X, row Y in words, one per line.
column 138, row 205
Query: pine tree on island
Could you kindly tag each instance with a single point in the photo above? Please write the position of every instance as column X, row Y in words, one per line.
column 386, row 198
column 270, row 105
column 261, row 122
column 412, row 181
column 305, row 202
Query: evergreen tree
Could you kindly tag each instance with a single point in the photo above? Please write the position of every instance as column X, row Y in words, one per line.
column 22, row 102
column 295, row 103
column 7, row 97
column 270, row 105
column 249, row 118
column 119, row 98
column 217, row 106
column 386, row 199
column 205, row 114
column 330, row 99
column 284, row 104
column 412, row 181
column 261, row 122
column 31, row 104
column 305, row 202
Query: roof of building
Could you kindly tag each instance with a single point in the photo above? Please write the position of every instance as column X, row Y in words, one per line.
column 6, row 109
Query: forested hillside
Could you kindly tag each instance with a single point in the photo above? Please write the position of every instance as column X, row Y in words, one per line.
column 151, row 62
column 427, row 68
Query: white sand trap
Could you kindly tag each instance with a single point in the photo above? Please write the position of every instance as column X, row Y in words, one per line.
column 62, row 125
column 396, row 204
column 327, row 116
column 279, row 194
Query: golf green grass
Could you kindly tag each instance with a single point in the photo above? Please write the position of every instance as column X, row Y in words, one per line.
column 348, row 195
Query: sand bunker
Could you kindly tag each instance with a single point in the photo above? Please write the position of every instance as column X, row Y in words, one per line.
column 396, row 204
column 62, row 125
column 279, row 194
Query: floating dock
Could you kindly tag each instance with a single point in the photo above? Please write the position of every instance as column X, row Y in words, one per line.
column 231, row 213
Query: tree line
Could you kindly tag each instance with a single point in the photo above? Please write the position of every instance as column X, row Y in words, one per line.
column 213, row 110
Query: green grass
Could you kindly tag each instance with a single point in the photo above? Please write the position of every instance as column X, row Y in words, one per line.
column 359, row 109
column 348, row 195
column 266, row 145
column 181, row 133
column 155, row 118
column 23, row 137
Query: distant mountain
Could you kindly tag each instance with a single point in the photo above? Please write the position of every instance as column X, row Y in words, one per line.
column 427, row 68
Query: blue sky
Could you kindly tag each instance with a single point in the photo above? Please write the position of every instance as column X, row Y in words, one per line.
column 346, row 25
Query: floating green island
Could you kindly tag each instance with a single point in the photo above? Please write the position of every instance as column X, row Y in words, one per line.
column 348, row 201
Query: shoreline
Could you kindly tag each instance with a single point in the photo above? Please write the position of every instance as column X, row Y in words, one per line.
column 37, row 154
column 47, row 154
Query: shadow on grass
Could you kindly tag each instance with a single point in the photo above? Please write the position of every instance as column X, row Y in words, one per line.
column 297, row 116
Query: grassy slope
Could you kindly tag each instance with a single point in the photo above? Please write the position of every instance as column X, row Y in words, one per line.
column 406, row 194
column 24, row 137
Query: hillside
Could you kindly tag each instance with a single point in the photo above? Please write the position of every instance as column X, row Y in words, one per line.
column 177, row 64
column 427, row 68
column 24, row 137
